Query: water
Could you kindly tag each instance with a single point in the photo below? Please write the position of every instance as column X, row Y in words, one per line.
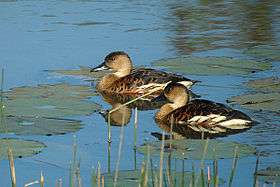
column 38, row 35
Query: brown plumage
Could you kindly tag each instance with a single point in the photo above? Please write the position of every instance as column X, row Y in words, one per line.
column 125, row 80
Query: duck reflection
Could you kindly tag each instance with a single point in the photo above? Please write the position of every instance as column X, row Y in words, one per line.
column 122, row 114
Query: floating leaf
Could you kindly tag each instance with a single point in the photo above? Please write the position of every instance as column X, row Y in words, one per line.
column 56, row 101
column 271, row 84
column 83, row 71
column 39, row 126
column 264, row 51
column 132, row 178
column 193, row 149
column 20, row 148
column 258, row 101
column 269, row 175
column 212, row 65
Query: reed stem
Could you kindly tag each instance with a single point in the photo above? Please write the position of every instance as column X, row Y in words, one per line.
column 208, row 176
column 93, row 178
column 183, row 174
column 152, row 172
column 12, row 167
column 42, row 180
column 119, row 152
column 98, row 174
column 135, row 136
column 256, row 170
column 216, row 174
column 161, row 160
column 202, row 177
column 193, row 176
column 202, row 158
column 234, row 164
column 125, row 104
column 31, row 183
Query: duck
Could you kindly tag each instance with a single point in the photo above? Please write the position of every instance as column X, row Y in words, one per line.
column 196, row 116
column 123, row 79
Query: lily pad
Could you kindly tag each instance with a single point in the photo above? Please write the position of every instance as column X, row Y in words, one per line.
column 258, row 101
column 132, row 178
column 212, row 65
column 39, row 126
column 193, row 149
column 264, row 51
column 83, row 72
column 57, row 101
column 269, row 175
column 20, row 148
column 270, row 84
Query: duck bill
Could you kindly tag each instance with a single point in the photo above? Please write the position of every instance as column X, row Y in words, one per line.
column 159, row 98
column 101, row 67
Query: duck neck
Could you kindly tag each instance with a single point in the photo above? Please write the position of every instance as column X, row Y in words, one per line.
column 180, row 101
column 122, row 72
column 106, row 82
column 170, row 107
column 164, row 111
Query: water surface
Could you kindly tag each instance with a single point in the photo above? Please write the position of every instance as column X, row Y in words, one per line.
column 39, row 35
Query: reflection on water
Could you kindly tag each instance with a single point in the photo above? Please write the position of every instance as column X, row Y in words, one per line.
column 217, row 24
column 39, row 35
column 122, row 115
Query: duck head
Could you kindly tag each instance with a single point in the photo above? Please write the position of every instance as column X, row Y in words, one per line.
column 119, row 62
column 177, row 95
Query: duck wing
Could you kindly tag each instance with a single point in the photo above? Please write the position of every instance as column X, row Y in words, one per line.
column 156, row 76
column 210, row 117
column 144, row 80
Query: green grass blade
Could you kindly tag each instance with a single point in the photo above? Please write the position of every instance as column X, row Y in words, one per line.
column 234, row 164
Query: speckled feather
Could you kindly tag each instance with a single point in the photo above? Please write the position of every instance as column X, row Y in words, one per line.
column 200, row 107
column 144, row 76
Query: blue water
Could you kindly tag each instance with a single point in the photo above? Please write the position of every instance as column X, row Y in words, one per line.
column 46, row 35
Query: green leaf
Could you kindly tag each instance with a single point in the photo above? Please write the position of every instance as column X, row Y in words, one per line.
column 264, row 51
column 39, row 126
column 57, row 101
column 193, row 149
column 258, row 101
column 269, row 175
column 83, row 72
column 20, row 148
column 269, row 84
column 212, row 65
